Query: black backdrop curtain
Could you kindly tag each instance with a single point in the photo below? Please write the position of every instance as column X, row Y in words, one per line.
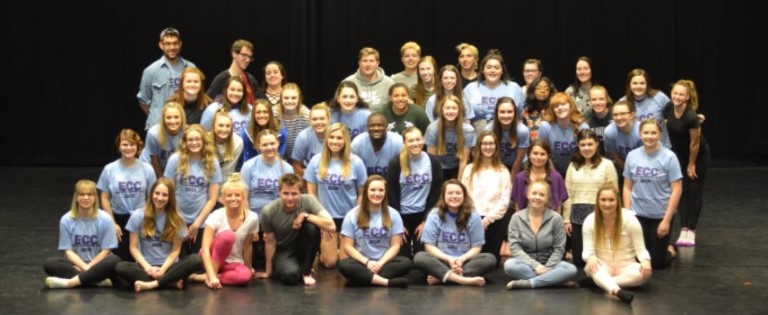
column 71, row 69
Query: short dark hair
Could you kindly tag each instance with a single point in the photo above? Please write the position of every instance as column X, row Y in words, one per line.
column 170, row 31
column 290, row 179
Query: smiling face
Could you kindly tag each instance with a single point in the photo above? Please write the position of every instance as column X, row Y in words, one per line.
column 261, row 114
column 290, row 99
column 399, row 98
column 531, row 72
column 347, row 98
column 492, row 71
column 194, row 141
column 562, row 111
column 171, row 46
column 172, row 120
column 234, row 92
column 191, row 84
column 376, row 192
column 488, row 146
column 542, row 91
column 410, row 59
column 450, row 110
column 467, row 60
column 368, row 65
column 243, row 58
column 448, row 81
column 639, row 86
column 335, row 141
column 538, row 156
column 268, row 146
column 650, row 134
column 85, row 199
column 222, row 128
column 377, row 127
column 414, row 142
column 622, row 116
column 232, row 198
column 160, row 196
column 607, row 202
column 583, row 71
column 680, row 95
column 318, row 120
column 453, row 197
column 598, row 100
column 426, row 72
column 128, row 149
column 587, row 148
column 273, row 76
column 290, row 195
column 538, row 196
column 506, row 114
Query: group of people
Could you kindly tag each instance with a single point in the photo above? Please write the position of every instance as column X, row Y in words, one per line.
column 446, row 170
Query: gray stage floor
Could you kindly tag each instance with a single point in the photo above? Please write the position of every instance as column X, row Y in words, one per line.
column 725, row 274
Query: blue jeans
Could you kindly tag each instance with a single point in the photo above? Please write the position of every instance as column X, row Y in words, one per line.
column 558, row 274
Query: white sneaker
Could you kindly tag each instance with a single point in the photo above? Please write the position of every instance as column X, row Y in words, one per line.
column 683, row 239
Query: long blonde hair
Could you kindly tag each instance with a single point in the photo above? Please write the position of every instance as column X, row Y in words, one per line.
column 208, row 152
column 364, row 211
column 235, row 182
column 325, row 157
column 162, row 132
column 599, row 232
column 82, row 186
column 405, row 160
column 441, row 150
column 173, row 222
column 229, row 143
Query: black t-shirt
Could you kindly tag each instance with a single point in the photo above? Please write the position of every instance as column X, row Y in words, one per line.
column 680, row 132
column 598, row 126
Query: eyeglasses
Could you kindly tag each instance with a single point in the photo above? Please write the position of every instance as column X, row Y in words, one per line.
column 245, row 56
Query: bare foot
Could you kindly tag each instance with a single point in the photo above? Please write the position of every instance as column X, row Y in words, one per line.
column 475, row 281
column 198, row 277
column 308, row 280
column 139, row 286
column 179, row 284
column 431, row 280
column 569, row 284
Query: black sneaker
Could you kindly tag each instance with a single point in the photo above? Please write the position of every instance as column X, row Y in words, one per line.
column 625, row 296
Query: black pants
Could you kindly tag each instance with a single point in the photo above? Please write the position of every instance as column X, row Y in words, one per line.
column 358, row 274
column 411, row 246
column 452, row 173
column 496, row 234
column 692, row 199
column 61, row 267
column 657, row 247
column 180, row 270
column 293, row 261
column 577, row 245
column 123, row 247
column 192, row 248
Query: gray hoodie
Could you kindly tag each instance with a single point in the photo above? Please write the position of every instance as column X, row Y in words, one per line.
column 545, row 248
column 375, row 93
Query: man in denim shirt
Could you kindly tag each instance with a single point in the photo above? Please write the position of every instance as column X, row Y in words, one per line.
column 162, row 77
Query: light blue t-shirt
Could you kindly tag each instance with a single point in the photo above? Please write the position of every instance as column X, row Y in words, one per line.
column 562, row 142
column 616, row 141
column 469, row 113
column 377, row 162
column 152, row 147
column 263, row 181
column 374, row 241
column 87, row 237
column 450, row 160
column 653, row 106
column 155, row 250
column 483, row 99
column 448, row 239
column 651, row 176
column 414, row 188
column 508, row 152
column 306, row 146
column 337, row 193
column 356, row 122
column 239, row 121
column 127, row 186
column 192, row 190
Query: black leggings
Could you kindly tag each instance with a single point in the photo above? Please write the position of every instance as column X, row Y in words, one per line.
column 410, row 223
column 123, row 247
column 496, row 234
column 692, row 199
column 61, row 267
column 192, row 248
column 358, row 274
column 657, row 247
column 577, row 245
column 291, row 262
column 132, row 272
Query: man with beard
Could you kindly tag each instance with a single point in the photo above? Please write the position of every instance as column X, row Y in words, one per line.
column 242, row 55
column 377, row 146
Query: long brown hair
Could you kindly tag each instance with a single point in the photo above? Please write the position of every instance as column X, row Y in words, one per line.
column 477, row 155
column 364, row 211
column 465, row 210
column 173, row 222
column 598, row 238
